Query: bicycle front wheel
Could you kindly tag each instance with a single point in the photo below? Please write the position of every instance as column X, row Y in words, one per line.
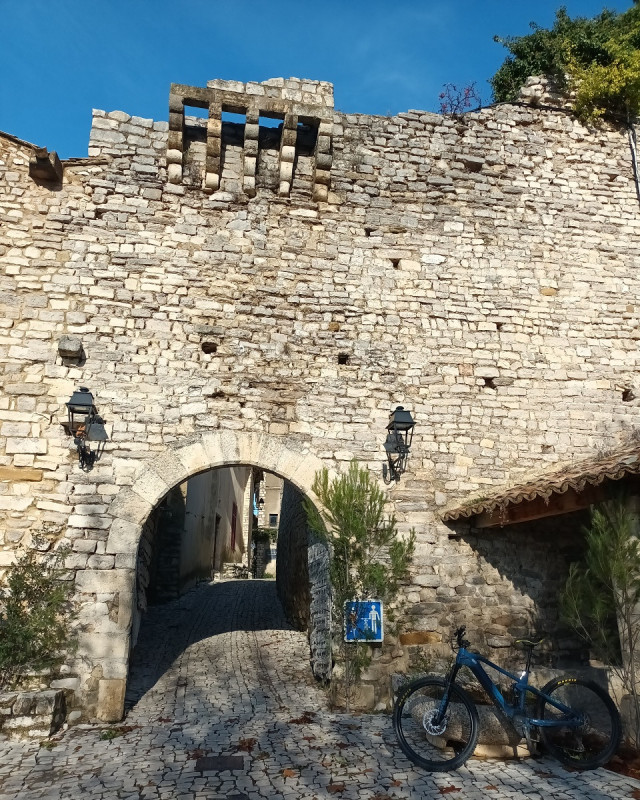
column 435, row 746
column 597, row 737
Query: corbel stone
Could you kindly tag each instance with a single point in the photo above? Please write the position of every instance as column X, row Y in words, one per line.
column 287, row 153
column 70, row 347
column 251, row 132
column 175, row 140
column 214, row 148
column 45, row 166
column 323, row 161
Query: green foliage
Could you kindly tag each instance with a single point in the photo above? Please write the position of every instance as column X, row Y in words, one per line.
column 368, row 560
column 600, row 598
column 264, row 535
column 598, row 59
column 34, row 617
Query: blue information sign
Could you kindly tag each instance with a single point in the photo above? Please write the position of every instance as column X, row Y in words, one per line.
column 363, row 621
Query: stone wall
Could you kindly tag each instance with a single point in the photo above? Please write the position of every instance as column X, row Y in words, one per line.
column 31, row 715
column 304, row 585
column 479, row 271
column 292, row 571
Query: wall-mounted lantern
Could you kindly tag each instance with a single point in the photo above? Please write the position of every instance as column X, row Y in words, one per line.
column 397, row 444
column 86, row 427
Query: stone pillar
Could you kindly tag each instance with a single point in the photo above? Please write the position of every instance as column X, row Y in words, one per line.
column 287, row 153
column 175, row 143
column 214, row 148
column 323, row 161
column 251, row 132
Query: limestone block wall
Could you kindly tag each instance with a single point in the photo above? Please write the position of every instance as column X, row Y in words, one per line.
column 292, row 570
column 479, row 271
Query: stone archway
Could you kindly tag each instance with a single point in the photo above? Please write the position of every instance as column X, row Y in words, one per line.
column 287, row 457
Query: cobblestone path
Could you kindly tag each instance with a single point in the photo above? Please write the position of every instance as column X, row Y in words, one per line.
column 219, row 673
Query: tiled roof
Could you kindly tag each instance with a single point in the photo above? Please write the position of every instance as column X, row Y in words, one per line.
column 592, row 471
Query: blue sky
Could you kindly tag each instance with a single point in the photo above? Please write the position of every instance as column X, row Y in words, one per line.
column 61, row 58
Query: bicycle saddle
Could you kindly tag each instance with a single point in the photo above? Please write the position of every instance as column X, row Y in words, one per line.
column 530, row 642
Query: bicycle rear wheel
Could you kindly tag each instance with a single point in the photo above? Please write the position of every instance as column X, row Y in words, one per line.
column 435, row 747
column 596, row 740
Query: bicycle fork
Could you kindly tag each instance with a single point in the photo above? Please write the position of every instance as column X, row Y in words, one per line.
column 438, row 719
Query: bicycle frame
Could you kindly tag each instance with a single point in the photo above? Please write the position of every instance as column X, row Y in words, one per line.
column 474, row 661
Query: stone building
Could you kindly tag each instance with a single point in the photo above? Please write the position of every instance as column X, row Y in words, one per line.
column 236, row 294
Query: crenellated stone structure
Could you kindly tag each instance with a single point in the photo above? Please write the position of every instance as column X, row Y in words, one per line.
column 264, row 298
column 297, row 103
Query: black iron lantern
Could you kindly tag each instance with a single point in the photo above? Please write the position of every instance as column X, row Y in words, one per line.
column 398, row 443
column 86, row 427
column 79, row 407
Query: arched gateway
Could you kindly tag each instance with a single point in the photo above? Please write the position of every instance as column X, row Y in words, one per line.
column 105, row 652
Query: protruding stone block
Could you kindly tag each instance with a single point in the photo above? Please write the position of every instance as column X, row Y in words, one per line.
column 174, row 173
column 45, row 166
column 70, row 347
column 110, row 699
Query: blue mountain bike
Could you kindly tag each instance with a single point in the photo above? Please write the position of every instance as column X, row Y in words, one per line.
column 436, row 721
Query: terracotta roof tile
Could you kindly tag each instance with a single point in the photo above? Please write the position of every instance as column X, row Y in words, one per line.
column 592, row 471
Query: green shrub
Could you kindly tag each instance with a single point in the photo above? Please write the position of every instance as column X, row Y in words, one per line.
column 367, row 559
column 264, row 535
column 601, row 597
column 35, row 614
column 598, row 59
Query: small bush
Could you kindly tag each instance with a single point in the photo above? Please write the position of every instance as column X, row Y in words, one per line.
column 35, row 614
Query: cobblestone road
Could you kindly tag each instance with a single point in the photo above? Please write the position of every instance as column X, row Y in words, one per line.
column 219, row 673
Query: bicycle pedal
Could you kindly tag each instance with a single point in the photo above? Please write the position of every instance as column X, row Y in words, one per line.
column 532, row 743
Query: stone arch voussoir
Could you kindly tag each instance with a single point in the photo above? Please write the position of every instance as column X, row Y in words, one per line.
column 287, row 457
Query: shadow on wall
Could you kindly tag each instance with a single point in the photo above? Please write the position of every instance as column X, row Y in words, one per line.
column 158, row 563
column 521, row 570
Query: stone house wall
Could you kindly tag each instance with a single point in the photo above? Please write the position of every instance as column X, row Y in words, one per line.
column 479, row 271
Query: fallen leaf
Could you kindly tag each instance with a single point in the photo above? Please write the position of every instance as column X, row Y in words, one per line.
column 289, row 773
column 305, row 719
column 246, row 744
column 635, row 794
column 194, row 755
column 449, row 789
column 335, row 788
column 343, row 745
column 395, row 783
column 491, row 788
column 308, row 738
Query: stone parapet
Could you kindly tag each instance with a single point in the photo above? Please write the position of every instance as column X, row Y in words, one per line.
column 31, row 715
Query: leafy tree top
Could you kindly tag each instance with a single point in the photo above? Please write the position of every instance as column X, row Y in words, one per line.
column 597, row 60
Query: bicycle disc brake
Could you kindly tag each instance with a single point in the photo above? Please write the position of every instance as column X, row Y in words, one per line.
column 428, row 723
